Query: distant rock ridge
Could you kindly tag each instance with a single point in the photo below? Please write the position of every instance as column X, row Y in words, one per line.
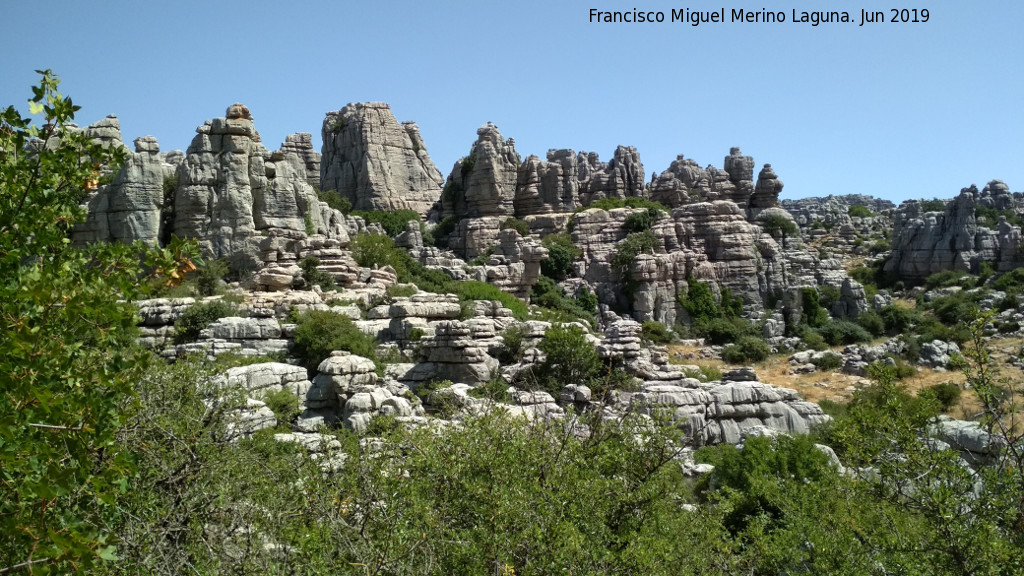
column 928, row 242
column 375, row 162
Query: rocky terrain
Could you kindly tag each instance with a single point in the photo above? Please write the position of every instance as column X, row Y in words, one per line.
column 643, row 246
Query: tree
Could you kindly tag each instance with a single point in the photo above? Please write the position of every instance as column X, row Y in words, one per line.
column 67, row 354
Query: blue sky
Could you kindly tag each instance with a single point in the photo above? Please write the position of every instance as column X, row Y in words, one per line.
column 893, row 110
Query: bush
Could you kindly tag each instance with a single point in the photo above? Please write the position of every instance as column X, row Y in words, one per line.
column 394, row 223
column 443, row 230
column 562, row 253
column 828, row 361
column 778, row 224
column 318, row 333
column 1012, row 282
column 640, row 221
column 699, row 302
column 933, row 205
column 199, row 316
column 872, row 322
column 859, row 211
column 401, row 290
column 947, row 394
column 814, row 315
column 841, row 332
column 335, row 201
column 629, row 248
column 814, row 340
column 945, row 279
column 956, row 309
column 473, row 290
column 550, row 295
column 513, row 344
column 722, row 330
column 656, row 332
column 312, row 274
column 284, row 404
column 518, row 225
column 569, row 358
column 899, row 320
column 210, row 277
column 747, row 349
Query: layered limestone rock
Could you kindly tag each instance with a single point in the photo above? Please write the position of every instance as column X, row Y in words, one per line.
column 514, row 264
column 301, row 145
column 484, row 182
column 377, row 163
column 928, row 242
column 709, row 241
column 548, row 186
column 685, row 182
column 131, row 207
column 622, row 177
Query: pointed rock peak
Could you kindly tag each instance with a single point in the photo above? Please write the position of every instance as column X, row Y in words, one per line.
column 238, row 111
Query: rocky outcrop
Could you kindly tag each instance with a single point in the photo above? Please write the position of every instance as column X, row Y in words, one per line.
column 622, row 177
column 685, row 182
column 928, row 242
column 301, row 146
column 548, row 186
column 131, row 207
column 484, row 182
column 377, row 163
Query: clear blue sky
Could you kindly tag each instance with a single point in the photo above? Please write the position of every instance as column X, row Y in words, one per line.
column 893, row 110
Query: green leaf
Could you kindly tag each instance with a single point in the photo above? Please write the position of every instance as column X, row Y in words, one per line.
column 34, row 107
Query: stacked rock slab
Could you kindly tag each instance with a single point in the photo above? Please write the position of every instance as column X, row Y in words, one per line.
column 684, row 182
column 928, row 242
column 377, row 163
column 131, row 207
column 301, row 145
column 622, row 177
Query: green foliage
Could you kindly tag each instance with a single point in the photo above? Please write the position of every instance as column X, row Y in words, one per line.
column 933, row 205
column 842, row 332
column 746, row 349
column 778, row 224
column 656, row 332
column 401, row 290
column 828, row 361
column 813, row 339
column 68, row 362
column 633, row 245
column 199, row 316
column 989, row 217
column 699, row 302
column 945, row 278
column 482, row 259
column 443, row 230
column 518, row 225
column 569, row 358
column 632, row 202
column 859, row 211
column 512, row 344
column 958, row 308
column 899, row 320
column 879, row 246
column 640, row 221
column 549, row 295
column 393, row 222
column 307, row 220
column 334, row 200
column 814, row 315
column 416, row 334
column 1012, row 282
column 284, row 404
column 872, row 322
column 494, row 389
column 318, row 333
column 473, row 290
column 562, row 253
column 468, row 162
column 723, row 330
column 210, row 276
column 947, row 394
column 312, row 274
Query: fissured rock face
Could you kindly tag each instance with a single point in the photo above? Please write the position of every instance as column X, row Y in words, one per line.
column 377, row 163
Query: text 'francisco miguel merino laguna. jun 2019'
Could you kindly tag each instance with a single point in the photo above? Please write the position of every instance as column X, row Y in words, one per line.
column 740, row 15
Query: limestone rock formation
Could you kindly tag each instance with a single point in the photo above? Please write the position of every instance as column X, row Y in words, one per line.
column 484, row 182
column 375, row 162
column 622, row 177
column 928, row 242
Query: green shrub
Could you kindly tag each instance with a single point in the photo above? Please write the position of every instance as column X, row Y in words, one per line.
column 549, row 295
column 859, row 211
column 494, row 389
column 377, row 251
column 778, row 224
column 199, row 316
column 318, row 333
column 569, row 358
column 416, row 334
column 334, row 200
column 746, row 349
column 814, row 315
column 989, row 217
column 722, row 330
column 513, row 344
column 562, row 253
column 632, row 202
column 443, row 230
column 959, row 308
column 312, row 274
column 827, row 296
column 945, row 278
column 879, row 246
column 814, row 340
column 518, row 225
column 473, row 290
column 640, row 221
column 468, row 163
column 841, row 332
column 933, row 205
column 1012, row 282
column 899, row 320
column 629, row 248
column 828, row 361
column 947, row 394
column 656, row 332
column 210, row 276
column 401, row 290
column 393, row 222
column 872, row 322
column 284, row 404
